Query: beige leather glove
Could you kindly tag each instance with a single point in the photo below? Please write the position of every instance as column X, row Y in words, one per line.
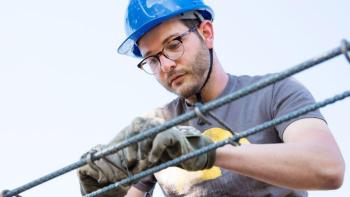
column 100, row 173
column 125, row 162
column 181, row 140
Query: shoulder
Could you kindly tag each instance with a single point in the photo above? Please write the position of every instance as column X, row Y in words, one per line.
column 242, row 81
column 292, row 91
column 287, row 85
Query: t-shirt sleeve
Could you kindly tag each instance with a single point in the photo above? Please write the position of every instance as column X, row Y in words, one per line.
column 146, row 184
column 289, row 95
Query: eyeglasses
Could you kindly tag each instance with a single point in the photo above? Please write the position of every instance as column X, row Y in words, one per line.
column 172, row 50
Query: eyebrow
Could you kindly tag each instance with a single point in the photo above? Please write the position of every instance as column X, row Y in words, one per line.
column 163, row 43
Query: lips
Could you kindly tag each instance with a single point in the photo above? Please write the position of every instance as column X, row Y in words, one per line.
column 173, row 78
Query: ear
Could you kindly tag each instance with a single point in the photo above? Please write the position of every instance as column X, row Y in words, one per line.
column 207, row 31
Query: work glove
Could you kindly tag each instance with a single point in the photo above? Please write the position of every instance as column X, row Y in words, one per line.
column 103, row 172
column 114, row 167
column 181, row 140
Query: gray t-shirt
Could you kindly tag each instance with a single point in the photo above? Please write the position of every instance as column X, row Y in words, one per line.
column 261, row 106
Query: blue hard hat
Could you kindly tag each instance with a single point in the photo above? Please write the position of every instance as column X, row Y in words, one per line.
column 143, row 15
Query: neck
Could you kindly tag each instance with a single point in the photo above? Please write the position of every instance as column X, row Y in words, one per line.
column 215, row 85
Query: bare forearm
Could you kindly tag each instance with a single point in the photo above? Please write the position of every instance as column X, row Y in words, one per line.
column 293, row 165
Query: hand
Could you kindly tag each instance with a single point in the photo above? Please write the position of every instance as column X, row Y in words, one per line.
column 102, row 172
column 138, row 153
column 181, row 140
column 114, row 167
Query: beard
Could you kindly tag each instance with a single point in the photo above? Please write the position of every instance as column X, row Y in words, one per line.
column 195, row 71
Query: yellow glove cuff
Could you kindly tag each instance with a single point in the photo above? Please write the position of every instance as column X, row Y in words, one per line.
column 218, row 134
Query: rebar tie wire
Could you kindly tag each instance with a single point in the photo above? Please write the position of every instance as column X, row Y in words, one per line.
column 219, row 144
column 343, row 49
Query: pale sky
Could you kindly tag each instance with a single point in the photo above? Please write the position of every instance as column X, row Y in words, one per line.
column 64, row 88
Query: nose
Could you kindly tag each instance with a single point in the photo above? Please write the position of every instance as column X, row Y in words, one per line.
column 166, row 64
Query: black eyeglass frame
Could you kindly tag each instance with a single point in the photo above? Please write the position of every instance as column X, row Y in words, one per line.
column 157, row 55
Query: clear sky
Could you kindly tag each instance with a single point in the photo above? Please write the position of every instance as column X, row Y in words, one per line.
column 63, row 87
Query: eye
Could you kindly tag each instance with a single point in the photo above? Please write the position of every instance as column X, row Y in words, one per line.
column 152, row 61
column 173, row 45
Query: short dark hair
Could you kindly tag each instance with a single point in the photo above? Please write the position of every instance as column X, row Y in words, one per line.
column 191, row 22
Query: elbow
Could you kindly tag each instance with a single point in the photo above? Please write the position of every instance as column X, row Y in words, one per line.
column 334, row 182
column 332, row 178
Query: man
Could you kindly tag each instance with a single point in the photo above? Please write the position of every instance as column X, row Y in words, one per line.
column 175, row 38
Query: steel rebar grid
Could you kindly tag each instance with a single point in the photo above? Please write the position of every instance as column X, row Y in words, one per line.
column 219, row 144
column 187, row 116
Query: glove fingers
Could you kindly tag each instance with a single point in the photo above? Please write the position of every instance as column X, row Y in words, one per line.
column 161, row 142
column 144, row 147
column 87, row 182
column 88, row 186
column 88, row 172
column 130, row 154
